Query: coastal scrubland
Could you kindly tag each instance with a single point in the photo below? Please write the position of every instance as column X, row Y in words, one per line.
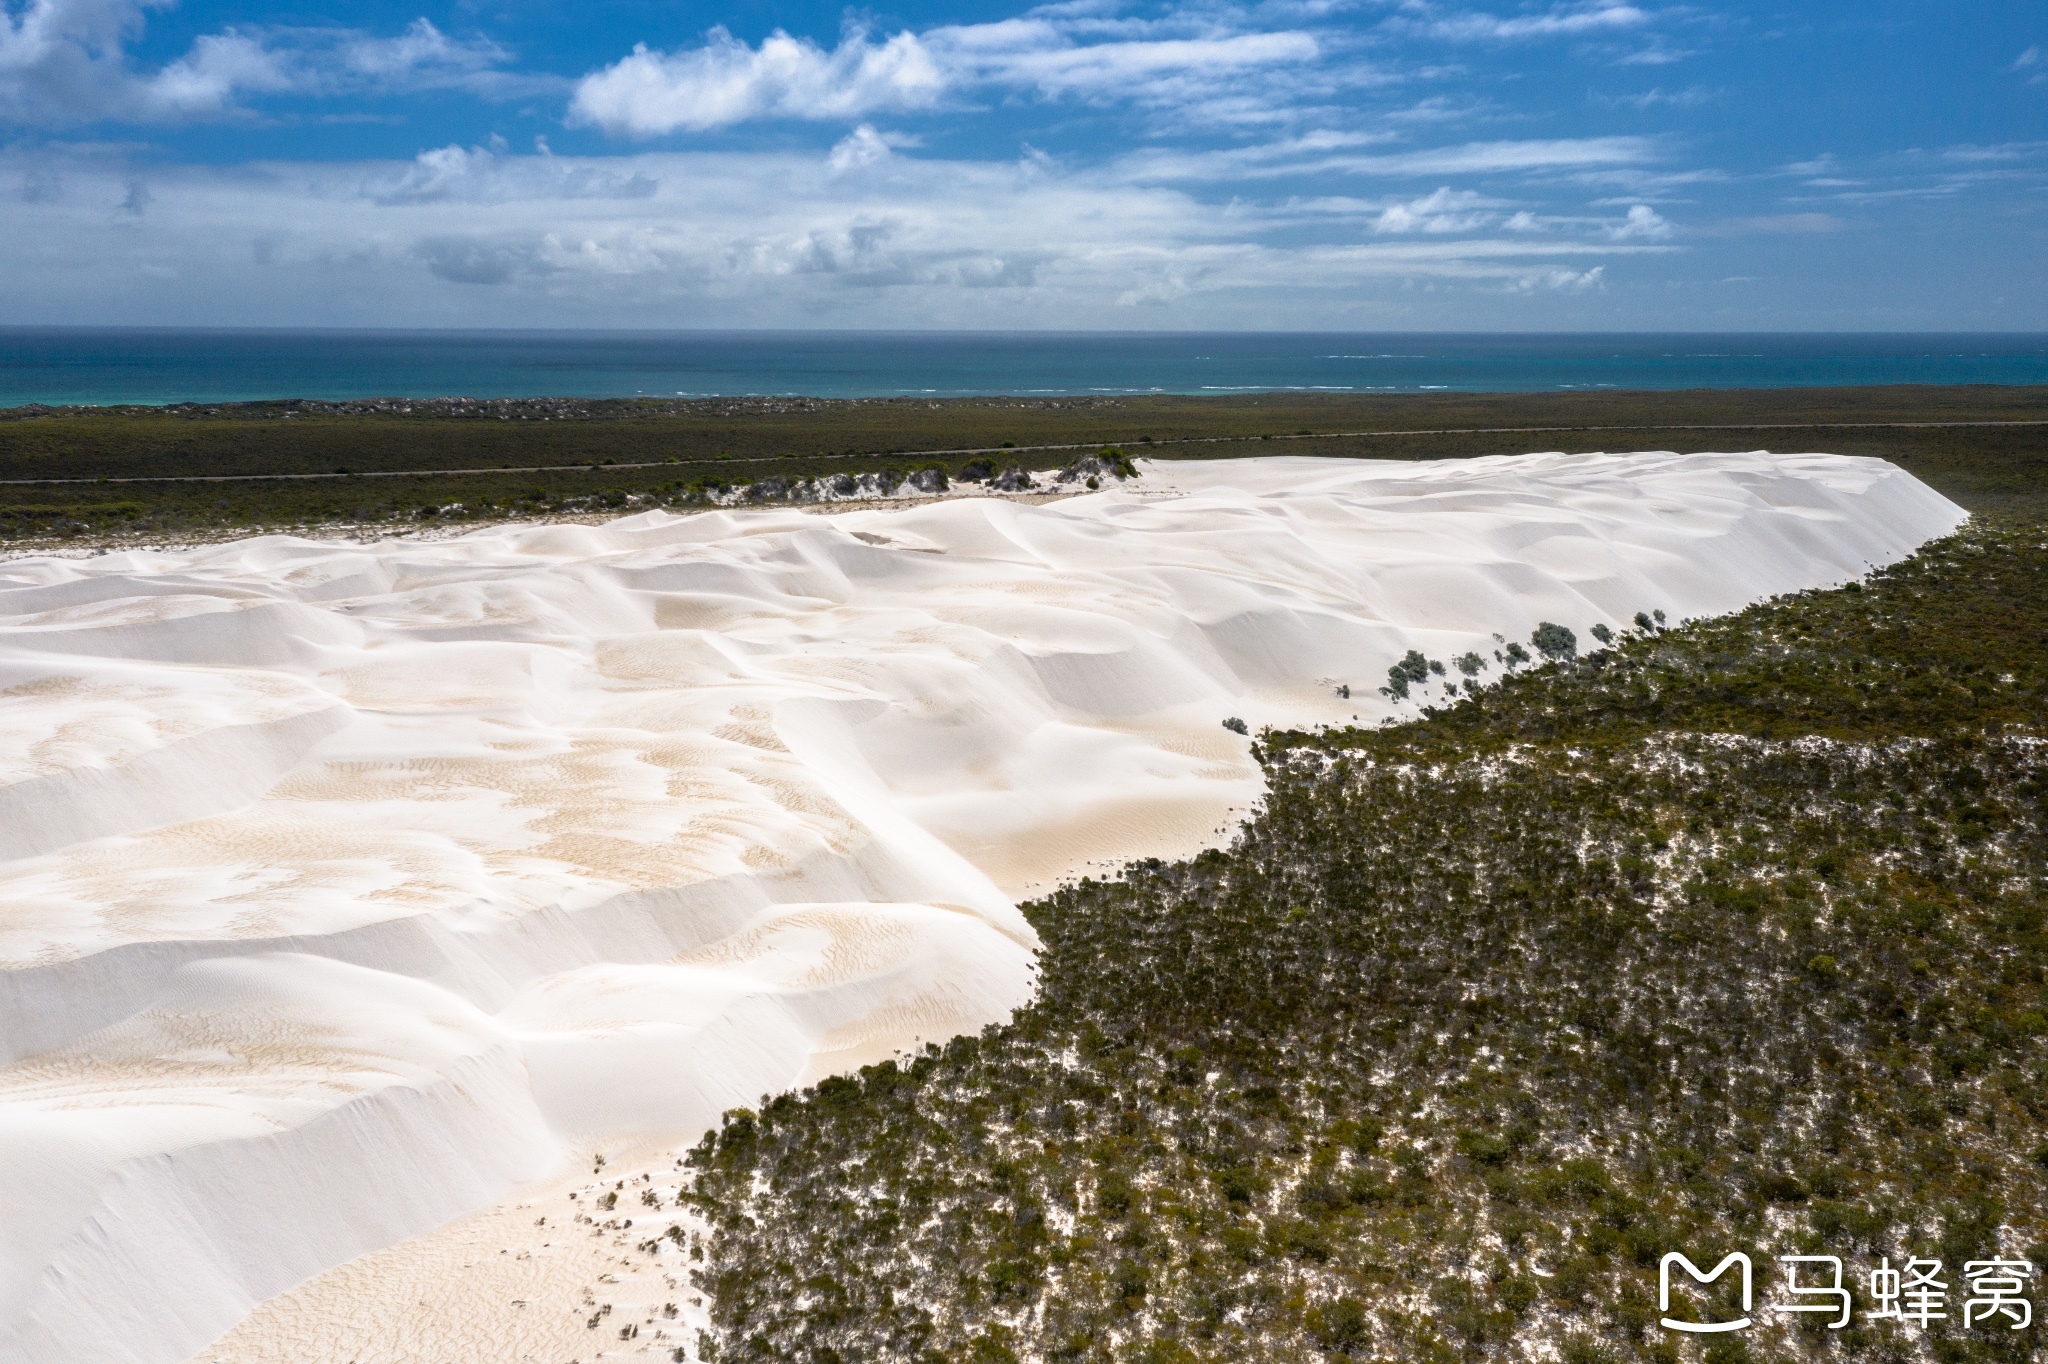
column 139, row 472
column 1726, row 937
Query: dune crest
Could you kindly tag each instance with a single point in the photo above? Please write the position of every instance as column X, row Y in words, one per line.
column 351, row 889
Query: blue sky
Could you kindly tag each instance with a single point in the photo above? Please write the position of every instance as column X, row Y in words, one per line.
column 1402, row 164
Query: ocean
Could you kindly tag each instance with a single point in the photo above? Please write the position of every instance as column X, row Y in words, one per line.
column 140, row 365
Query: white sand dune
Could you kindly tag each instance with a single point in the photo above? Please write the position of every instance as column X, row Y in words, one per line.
column 347, row 891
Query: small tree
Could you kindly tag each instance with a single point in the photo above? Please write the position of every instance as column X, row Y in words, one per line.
column 1602, row 633
column 1554, row 641
column 1413, row 667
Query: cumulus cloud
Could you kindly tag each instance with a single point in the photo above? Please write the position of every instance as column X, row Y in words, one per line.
column 66, row 62
column 861, row 147
column 726, row 82
column 1643, row 223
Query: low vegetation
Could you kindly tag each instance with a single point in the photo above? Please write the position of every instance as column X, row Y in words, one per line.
column 1728, row 936
column 101, row 473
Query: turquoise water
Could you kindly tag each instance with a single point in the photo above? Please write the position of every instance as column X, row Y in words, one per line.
column 56, row 366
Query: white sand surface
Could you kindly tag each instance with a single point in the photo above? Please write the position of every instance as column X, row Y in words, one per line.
column 353, row 898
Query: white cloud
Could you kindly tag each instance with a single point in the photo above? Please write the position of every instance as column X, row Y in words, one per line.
column 861, row 147
column 422, row 48
column 1650, row 99
column 692, row 240
column 1827, row 163
column 482, row 175
column 1565, row 281
column 1656, row 54
column 1568, row 21
column 1643, row 223
column 1970, row 152
column 1325, row 153
column 66, row 62
column 1047, row 62
column 1532, row 154
column 726, row 82
column 1645, row 186
column 207, row 79
column 1445, row 210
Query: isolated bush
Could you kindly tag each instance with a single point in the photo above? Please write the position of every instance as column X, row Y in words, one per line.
column 1554, row 641
column 1119, row 463
column 1111, row 463
column 1412, row 668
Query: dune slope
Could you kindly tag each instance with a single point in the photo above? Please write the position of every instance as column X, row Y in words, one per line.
column 350, row 889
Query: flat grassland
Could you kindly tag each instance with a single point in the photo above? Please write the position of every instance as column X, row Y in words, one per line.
column 140, row 472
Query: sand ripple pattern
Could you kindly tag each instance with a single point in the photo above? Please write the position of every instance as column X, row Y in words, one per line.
column 352, row 891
